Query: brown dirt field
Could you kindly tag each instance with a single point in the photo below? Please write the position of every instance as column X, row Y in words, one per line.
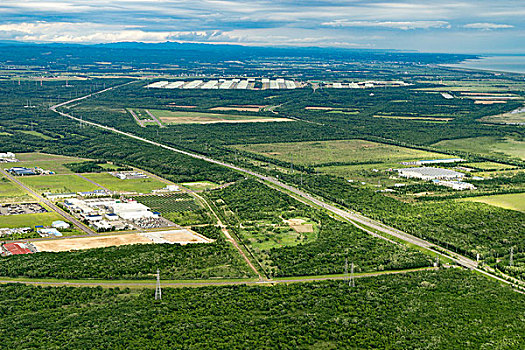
column 488, row 102
column 304, row 228
column 239, row 109
column 319, row 108
column 62, row 245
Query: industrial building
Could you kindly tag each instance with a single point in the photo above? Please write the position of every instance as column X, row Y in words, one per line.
column 17, row 248
column 428, row 173
column 226, row 84
column 435, row 161
column 455, row 185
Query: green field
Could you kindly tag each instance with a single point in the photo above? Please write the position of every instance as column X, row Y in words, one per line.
column 489, row 145
column 128, row 185
column 344, row 151
column 175, row 117
column 46, row 161
column 58, row 183
column 514, row 201
column 517, row 116
column 9, row 192
column 29, row 220
column 488, row 165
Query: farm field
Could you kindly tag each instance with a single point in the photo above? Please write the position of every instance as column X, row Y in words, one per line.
column 343, row 151
column 181, row 208
column 10, row 192
column 58, row 183
column 514, row 201
column 174, row 117
column 486, row 145
column 128, row 185
column 46, row 161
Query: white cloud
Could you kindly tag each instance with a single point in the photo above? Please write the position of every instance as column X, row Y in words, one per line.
column 404, row 25
column 487, row 26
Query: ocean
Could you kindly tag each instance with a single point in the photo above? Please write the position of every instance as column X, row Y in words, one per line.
column 514, row 64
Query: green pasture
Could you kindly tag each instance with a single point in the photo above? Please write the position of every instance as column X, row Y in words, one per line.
column 343, row 151
column 128, row 185
column 489, row 145
column 58, row 183
column 514, row 201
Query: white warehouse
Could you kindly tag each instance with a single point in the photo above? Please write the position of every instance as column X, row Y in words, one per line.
column 428, row 173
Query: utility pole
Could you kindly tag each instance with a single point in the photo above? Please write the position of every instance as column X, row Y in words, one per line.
column 158, row 291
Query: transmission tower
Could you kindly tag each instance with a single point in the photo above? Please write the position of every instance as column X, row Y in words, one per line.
column 346, row 269
column 158, row 291
column 511, row 260
column 352, row 279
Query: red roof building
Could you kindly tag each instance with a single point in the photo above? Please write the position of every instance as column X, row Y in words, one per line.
column 17, row 248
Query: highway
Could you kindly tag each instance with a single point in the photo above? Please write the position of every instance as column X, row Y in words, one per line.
column 355, row 218
column 75, row 222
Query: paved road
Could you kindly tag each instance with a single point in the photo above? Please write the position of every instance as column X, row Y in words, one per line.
column 75, row 222
column 352, row 217
column 154, row 118
column 151, row 283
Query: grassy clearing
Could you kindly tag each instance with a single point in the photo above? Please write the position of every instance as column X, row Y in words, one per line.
column 509, row 118
column 38, row 134
column 322, row 152
column 488, row 166
column 29, row 220
column 58, row 183
column 514, row 201
column 486, row 145
column 46, row 161
column 129, row 185
column 176, row 117
column 201, row 185
column 9, row 192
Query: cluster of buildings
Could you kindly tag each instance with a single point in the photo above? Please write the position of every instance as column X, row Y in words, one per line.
column 106, row 214
column 23, row 171
column 8, row 157
column 17, row 248
column 439, row 176
column 364, row 84
column 227, row 84
column 126, row 175
column 52, row 231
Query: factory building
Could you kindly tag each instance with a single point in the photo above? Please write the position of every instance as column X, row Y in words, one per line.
column 428, row 173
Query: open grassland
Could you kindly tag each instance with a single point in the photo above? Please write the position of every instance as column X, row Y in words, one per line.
column 514, row 201
column 489, row 145
column 343, row 151
column 58, row 183
column 10, row 192
column 46, row 161
column 488, row 165
column 29, row 220
column 128, row 185
column 174, row 117
column 423, row 119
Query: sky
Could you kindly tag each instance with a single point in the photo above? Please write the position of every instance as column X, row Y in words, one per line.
column 468, row 26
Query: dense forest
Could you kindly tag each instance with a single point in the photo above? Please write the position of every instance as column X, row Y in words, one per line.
column 446, row 309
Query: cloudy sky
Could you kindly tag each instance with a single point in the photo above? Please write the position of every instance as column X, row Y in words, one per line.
column 470, row 26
